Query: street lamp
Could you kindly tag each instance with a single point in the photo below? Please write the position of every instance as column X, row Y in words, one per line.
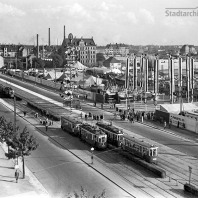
column 14, row 98
column 190, row 172
column 92, row 150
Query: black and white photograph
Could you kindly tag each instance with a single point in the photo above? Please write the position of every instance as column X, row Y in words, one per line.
column 98, row 99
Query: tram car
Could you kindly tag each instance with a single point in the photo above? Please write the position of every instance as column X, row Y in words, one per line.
column 140, row 148
column 93, row 136
column 71, row 124
column 114, row 134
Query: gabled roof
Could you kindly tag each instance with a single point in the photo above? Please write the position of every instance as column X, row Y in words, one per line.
column 107, row 62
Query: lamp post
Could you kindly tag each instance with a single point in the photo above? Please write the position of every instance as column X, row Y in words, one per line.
column 92, row 150
column 190, row 172
column 14, row 98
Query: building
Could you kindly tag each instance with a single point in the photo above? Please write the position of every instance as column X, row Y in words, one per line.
column 11, row 53
column 86, row 48
column 117, row 49
column 112, row 63
column 188, row 49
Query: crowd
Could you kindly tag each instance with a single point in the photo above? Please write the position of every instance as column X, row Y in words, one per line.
column 94, row 117
column 138, row 115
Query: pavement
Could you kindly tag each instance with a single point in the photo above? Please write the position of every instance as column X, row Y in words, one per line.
column 28, row 187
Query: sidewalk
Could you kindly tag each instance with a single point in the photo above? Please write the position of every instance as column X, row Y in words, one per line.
column 25, row 188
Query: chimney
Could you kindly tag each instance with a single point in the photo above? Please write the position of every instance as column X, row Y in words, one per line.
column 49, row 36
column 37, row 37
column 64, row 32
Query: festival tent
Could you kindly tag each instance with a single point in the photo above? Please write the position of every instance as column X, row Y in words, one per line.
column 93, row 81
column 116, row 71
column 79, row 65
column 63, row 77
column 52, row 75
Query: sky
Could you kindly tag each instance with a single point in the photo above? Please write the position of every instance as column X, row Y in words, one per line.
column 133, row 22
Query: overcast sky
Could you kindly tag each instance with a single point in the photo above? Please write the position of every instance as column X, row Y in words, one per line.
column 136, row 22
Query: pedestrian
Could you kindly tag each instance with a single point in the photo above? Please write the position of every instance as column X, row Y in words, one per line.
column 164, row 124
column 46, row 126
column 170, row 122
column 16, row 176
column 178, row 124
column 24, row 113
column 142, row 118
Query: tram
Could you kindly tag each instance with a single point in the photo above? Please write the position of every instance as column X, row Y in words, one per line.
column 71, row 124
column 140, row 148
column 93, row 136
column 114, row 134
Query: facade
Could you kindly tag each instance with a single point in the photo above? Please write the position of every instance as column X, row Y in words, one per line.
column 188, row 49
column 117, row 49
column 112, row 63
column 86, row 48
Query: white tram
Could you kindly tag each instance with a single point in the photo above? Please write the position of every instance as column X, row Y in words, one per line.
column 140, row 148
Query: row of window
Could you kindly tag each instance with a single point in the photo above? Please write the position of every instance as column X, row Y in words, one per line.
column 83, row 57
column 87, row 52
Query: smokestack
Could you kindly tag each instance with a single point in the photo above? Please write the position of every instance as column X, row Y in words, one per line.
column 49, row 36
column 64, row 33
column 37, row 37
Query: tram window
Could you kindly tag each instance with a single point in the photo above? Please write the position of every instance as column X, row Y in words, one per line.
column 103, row 139
column 154, row 152
column 151, row 152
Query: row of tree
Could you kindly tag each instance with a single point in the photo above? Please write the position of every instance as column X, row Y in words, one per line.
column 20, row 143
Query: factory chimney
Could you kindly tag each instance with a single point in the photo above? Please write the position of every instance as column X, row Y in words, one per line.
column 49, row 37
column 37, row 37
column 64, row 33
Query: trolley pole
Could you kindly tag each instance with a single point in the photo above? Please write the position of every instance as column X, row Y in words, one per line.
column 14, row 113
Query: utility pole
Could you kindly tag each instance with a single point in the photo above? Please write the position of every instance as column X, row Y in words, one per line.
column 180, row 82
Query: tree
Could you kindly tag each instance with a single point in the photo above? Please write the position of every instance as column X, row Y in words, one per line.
column 20, row 143
column 40, row 63
column 57, row 60
column 100, row 58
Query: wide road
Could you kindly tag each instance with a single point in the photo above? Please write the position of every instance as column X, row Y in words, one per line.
column 181, row 141
column 61, row 172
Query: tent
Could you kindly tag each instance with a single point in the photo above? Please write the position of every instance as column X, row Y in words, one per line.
column 62, row 77
column 52, row 75
column 79, row 65
column 93, row 81
column 116, row 71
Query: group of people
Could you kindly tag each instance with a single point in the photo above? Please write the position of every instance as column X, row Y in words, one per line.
column 138, row 115
column 94, row 117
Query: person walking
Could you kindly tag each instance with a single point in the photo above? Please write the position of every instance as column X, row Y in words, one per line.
column 16, row 176
column 164, row 124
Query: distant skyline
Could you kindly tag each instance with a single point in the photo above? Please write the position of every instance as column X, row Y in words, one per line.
column 134, row 22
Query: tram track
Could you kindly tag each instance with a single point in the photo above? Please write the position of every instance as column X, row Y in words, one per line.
column 120, row 169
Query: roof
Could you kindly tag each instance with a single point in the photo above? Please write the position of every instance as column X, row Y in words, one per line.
column 76, row 41
column 107, row 62
column 175, row 108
